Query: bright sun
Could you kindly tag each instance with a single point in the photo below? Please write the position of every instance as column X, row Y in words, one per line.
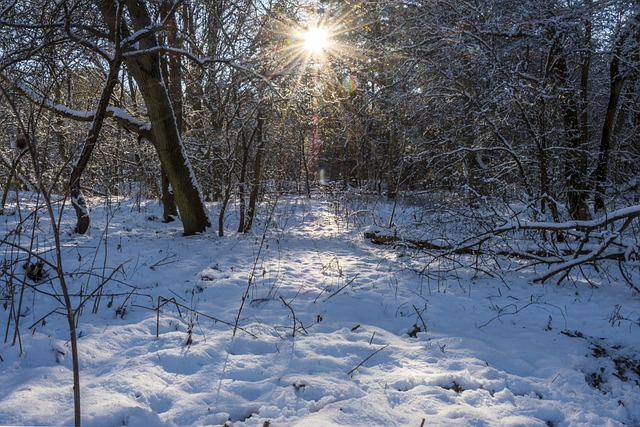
column 316, row 40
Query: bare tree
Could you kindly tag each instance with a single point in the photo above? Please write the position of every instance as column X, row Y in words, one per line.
column 625, row 47
column 145, row 66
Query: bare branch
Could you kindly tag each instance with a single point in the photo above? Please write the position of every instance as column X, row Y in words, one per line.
column 124, row 119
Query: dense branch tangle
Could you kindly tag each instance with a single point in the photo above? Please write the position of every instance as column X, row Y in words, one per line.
column 587, row 242
column 600, row 239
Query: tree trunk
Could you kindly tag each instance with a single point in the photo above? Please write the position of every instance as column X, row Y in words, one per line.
column 547, row 198
column 392, row 175
column 242, row 182
column 576, row 159
column 600, row 174
column 225, row 197
column 169, row 209
column 575, row 165
column 172, row 74
column 305, row 165
column 616, row 81
column 12, row 172
column 257, row 171
column 75, row 191
column 171, row 153
column 145, row 69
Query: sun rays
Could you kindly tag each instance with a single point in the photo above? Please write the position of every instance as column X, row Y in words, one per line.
column 313, row 60
column 316, row 40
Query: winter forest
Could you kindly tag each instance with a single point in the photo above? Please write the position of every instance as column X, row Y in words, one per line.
column 320, row 213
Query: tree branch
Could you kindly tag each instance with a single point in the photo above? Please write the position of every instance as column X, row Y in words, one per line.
column 124, row 119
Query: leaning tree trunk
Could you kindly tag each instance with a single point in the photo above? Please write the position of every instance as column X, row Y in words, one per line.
column 75, row 191
column 145, row 68
column 168, row 144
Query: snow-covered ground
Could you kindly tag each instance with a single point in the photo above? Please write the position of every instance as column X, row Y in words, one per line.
column 332, row 331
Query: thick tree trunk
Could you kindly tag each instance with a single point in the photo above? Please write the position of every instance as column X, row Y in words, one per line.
column 145, row 69
column 171, row 153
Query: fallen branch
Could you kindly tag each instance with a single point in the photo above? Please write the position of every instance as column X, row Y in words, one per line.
column 398, row 241
column 597, row 240
column 394, row 240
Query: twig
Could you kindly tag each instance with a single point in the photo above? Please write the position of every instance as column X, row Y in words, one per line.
column 121, row 309
column 252, row 276
column 293, row 314
column 502, row 313
column 368, row 357
column 421, row 319
column 162, row 301
column 164, row 261
column 55, row 310
column 519, row 309
column 345, row 285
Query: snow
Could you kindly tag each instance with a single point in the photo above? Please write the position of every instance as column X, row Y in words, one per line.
column 496, row 350
column 628, row 212
column 79, row 115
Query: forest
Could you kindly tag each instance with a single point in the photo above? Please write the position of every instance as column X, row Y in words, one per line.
column 158, row 156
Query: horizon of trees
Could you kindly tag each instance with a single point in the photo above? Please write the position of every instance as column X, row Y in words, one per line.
column 535, row 102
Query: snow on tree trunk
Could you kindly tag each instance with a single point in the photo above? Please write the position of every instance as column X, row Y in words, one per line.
column 145, row 68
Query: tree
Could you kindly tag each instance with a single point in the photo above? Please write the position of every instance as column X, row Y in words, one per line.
column 144, row 65
column 104, row 36
column 625, row 47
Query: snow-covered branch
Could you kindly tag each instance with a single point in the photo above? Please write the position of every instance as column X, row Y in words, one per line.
column 603, row 238
column 124, row 119
column 605, row 220
column 599, row 239
column 134, row 38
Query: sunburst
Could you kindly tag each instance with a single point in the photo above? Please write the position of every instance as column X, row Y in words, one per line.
column 316, row 40
column 312, row 55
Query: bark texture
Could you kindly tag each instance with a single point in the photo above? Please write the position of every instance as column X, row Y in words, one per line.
column 144, row 65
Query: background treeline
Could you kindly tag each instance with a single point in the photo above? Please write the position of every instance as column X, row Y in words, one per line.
column 530, row 101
